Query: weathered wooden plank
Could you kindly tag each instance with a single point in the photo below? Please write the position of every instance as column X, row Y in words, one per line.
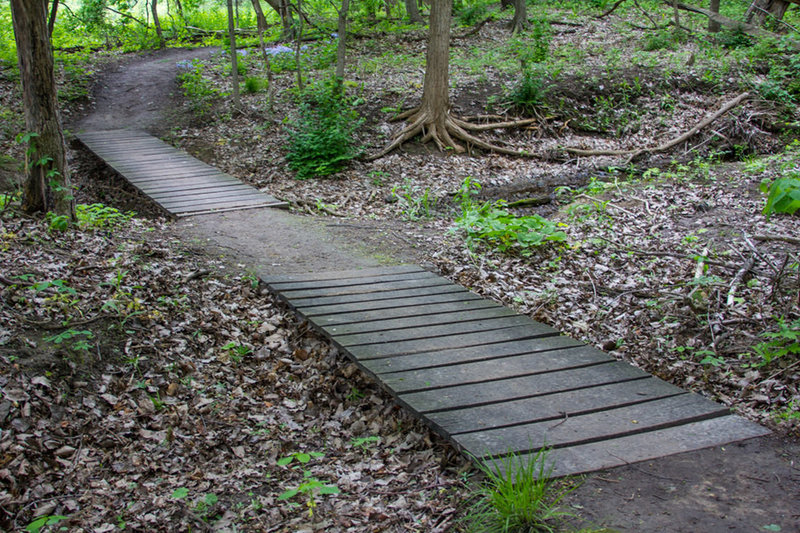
column 341, row 274
column 590, row 427
column 159, row 169
column 200, row 187
column 428, row 281
column 453, row 294
column 191, row 179
column 493, row 369
column 211, row 204
column 552, row 406
column 397, row 295
column 430, row 332
column 181, row 197
column 417, row 320
column 520, row 387
column 376, row 351
column 484, row 351
column 366, row 319
column 651, row 445
column 289, row 286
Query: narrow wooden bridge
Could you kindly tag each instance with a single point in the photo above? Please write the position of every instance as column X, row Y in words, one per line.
column 489, row 380
column 493, row 382
column 176, row 181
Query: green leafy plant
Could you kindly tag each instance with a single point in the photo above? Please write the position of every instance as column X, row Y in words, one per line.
column 321, row 136
column 76, row 341
column 42, row 521
column 783, row 194
column 530, row 92
column 782, row 343
column 236, row 351
column 299, row 457
column 364, row 443
column 414, row 203
column 492, row 224
column 310, row 488
column 99, row 216
column 255, row 85
column 517, row 494
column 202, row 95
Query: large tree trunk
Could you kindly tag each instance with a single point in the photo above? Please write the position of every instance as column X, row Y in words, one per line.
column 520, row 21
column 760, row 11
column 412, row 10
column 47, row 186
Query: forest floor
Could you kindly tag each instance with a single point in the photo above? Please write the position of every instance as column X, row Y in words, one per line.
column 180, row 383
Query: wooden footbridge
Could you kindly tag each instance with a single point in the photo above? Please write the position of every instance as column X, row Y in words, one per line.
column 487, row 379
column 176, row 181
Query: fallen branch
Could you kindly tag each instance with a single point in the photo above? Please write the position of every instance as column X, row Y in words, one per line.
column 784, row 238
column 525, row 202
column 666, row 146
column 613, row 8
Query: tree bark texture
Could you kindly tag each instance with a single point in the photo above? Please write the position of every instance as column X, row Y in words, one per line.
column 412, row 10
column 760, row 11
column 520, row 21
column 47, row 185
column 51, row 21
column 261, row 20
column 713, row 25
column 281, row 7
column 341, row 51
column 234, row 56
column 157, row 23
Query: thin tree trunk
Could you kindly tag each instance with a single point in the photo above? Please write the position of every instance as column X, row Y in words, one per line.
column 47, row 185
column 341, row 52
column 262, row 27
column 713, row 25
column 179, row 6
column 234, row 56
column 412, row 10
column 261, row 20
column 520, row 21
column 298, row 45
column 157, row 23
column 51, row 22
column 282, row 8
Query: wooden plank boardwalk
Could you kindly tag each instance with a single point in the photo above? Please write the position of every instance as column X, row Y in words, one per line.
column 494, row 382
column 176, row 181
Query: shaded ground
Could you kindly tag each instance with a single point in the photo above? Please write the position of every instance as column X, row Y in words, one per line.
column 742, row 487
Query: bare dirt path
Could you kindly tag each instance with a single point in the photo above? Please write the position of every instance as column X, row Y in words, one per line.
column 748, row 486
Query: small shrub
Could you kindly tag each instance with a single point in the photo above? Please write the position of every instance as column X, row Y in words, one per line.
column 255, row 85
column 471, row 15
column 202, row 95
column 530, row 92
column 784, row 343
column 517, row 495
column 99, row 216
column 321, row 136
column 660, row 40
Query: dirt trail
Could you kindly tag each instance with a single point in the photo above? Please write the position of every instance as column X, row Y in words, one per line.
column 742, row 487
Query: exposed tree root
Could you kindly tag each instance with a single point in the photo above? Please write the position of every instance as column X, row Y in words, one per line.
column 450, row 133
column 633, row 154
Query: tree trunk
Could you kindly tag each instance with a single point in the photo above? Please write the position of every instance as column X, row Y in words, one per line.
column 520, row 21
column 281, row 7
column 436, row 87
column 47, row 186
column 713, row 25
column 341, row 52
column 298, row 45
column 51, row 22
column 261, row 21
column 760, row 11
column 412, row 10
column 234, row 56
column 157, row 23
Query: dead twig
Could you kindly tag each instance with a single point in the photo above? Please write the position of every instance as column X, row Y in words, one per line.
column 784, row 238
column 737, row 279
